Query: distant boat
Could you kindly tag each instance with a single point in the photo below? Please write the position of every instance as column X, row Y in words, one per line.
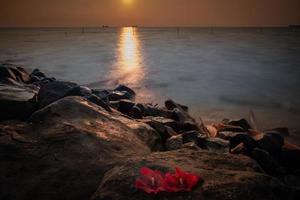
column 105, row 26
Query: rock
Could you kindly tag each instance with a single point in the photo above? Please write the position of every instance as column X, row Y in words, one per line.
column 38, row 74
column 16, row 102
column 190, row 136
column 243, row 123
column 283, row 131
column 226, row 177
column 96, row 100
column 53, row 91
column 162, row 125
column 129, row 92
column 266, row 161
column 10, row 73
column 271, row 142
column 217, row 145
column 174, row 142
column 247, row 140
column 81, row 91
column 117, row 95
column 171, row 105
column 102, row 94
column 125, row 106
column 228, row 135
column 65, row 149
column 136, row 113
column 149, row 110
column 190, row 126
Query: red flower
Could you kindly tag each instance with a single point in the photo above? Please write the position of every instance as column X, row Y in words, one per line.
column 151, row 181
column 180, row 181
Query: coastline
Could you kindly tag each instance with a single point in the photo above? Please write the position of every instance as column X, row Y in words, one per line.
column 95, row 140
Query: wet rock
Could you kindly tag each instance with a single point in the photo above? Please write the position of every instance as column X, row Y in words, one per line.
column 66, row 149
column 227, row 177
column 130, row 94
column 174, row 142
column 190, row 126
column 16, row 102
column 10, row 73
column 125, row 106
column 53, row 91
column 283, row 131
column 271, row 142
column 191, row 145
column 190, row 136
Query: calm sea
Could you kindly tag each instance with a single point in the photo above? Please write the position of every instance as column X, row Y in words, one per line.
column 219, row 72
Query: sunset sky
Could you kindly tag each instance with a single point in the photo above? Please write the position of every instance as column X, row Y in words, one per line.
column 149, row 12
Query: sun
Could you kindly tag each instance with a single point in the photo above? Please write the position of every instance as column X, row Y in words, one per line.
column 127, row 2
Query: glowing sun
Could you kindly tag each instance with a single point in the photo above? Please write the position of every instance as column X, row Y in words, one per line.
column 127, row 2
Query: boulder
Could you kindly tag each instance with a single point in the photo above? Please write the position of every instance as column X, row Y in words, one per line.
column 225, row 176
column 170, row 105
column 53, row 91
column 228, row 135
column 125, row 106
column 243, row 123
column 16, row 102
column 81, row 91
column 190, row 136
column 65, row 149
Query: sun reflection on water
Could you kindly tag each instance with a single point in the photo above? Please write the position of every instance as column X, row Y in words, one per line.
column 129, row 69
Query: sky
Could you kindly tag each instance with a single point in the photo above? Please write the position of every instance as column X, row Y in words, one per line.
column 61, row 13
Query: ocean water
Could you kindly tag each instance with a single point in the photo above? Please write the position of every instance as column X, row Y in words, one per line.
column 218, row 72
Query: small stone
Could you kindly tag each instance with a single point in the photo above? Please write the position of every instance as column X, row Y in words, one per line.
column 174, row 142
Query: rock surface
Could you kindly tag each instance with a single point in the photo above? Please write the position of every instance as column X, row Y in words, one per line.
column 65, row 150
column 225, row 176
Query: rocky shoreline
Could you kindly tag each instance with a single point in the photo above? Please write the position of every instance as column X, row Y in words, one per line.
column 60, row 140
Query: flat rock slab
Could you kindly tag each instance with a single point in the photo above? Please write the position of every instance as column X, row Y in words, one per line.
column 226, row 177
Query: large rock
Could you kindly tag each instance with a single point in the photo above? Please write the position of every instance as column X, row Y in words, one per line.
column 16, row 102
column 65, row 149
column 226, row 177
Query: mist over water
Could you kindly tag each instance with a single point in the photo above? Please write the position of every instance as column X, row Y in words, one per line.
column 217, row 72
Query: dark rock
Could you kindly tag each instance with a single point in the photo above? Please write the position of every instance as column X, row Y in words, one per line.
column 125, row 106
column 190, row 126
column 190, row 136
column 10, row 73
column 96, row 100
column 149, row 110
column 81, row 91
column 217, row 145
column 129, row 92
column 117, row 95
column 170, row 105
column 53, row 91
column 174, row 142
column 102, row 94
column 283, row 131
column 271, row 142
column 16, row 102
column 136, row 113
column 243, row 123
column 226, row 177
column 266, row 161
column 247, row 140
column 66, row 149
column 37, row 73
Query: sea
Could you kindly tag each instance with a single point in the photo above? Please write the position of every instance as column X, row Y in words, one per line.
column 233, row 73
